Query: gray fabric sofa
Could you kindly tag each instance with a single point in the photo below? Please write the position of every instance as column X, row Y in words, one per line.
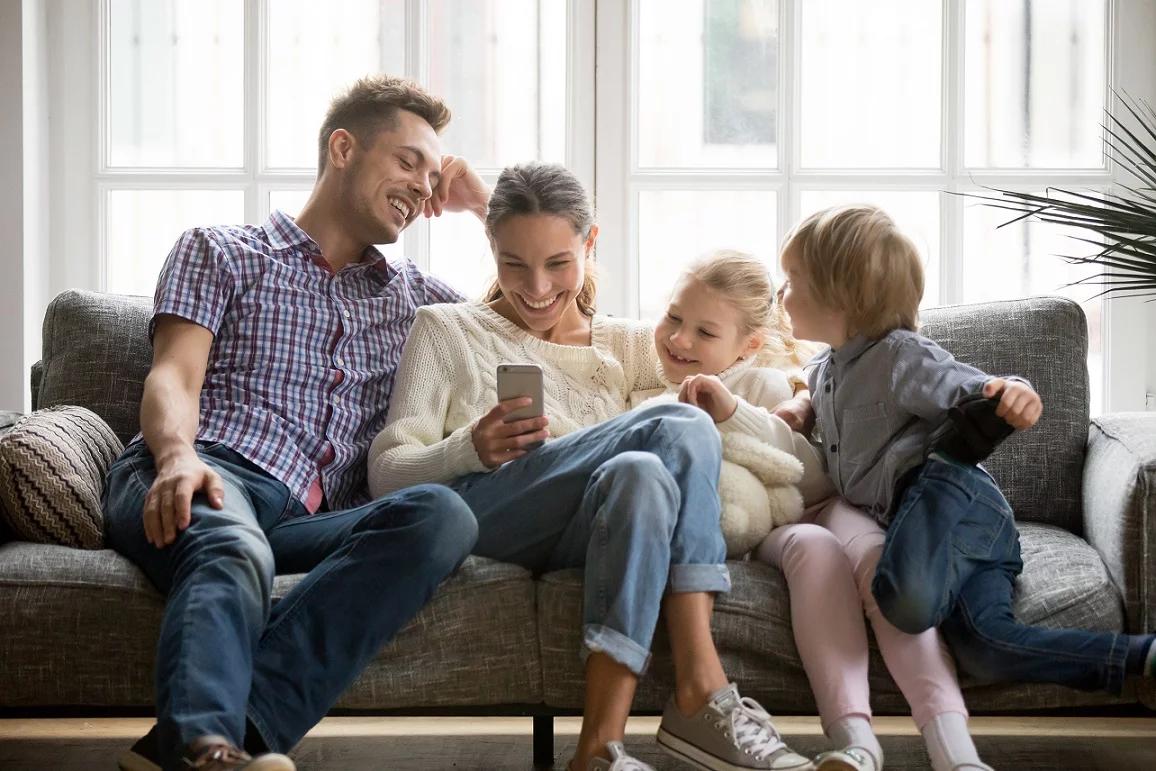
column 77, row 628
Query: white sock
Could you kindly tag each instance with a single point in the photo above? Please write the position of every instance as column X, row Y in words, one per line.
column 855, row 731
column 949, row 743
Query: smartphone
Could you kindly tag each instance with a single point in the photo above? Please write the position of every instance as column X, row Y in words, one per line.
column 516, row 380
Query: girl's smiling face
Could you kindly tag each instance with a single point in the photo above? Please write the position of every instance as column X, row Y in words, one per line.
column 701, row 332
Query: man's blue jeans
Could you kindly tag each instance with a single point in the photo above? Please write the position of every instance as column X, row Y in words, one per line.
column 633, row 500
column 224, row 653
column 950, row 559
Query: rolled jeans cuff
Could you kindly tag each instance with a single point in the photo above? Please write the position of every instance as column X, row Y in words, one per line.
column 699, row 578
column 601, row 639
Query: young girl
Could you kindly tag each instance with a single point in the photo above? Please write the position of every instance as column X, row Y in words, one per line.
column 724, row 346
column 951, row 554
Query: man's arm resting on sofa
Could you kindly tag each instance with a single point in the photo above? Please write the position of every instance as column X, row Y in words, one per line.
column 1120, row 508
column 169, row 415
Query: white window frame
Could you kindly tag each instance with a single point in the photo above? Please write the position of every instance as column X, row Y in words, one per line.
column 80, row 37
column 600, row 41
column 620, row 180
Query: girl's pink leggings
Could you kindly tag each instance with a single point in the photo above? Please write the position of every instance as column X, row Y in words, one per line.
column 829, row 559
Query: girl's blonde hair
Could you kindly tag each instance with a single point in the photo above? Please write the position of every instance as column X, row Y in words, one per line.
column 745, row 282
column 544, row 188
column 855, row 259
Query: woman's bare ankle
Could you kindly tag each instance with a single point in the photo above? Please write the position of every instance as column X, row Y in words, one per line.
column 693, row 694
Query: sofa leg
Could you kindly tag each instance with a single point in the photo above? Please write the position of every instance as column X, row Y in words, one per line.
column 543, row 741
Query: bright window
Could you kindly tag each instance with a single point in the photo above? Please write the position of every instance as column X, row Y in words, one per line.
column 212, row 110
column 744, row 116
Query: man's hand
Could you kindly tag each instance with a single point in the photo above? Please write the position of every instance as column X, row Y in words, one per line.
column 460, row 189
column 167, row 507
column 498, row 442
column 1019, row 405
column 797, row 413
column 708, row 393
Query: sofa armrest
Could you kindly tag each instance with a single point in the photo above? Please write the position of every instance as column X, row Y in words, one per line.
column 1120, row 508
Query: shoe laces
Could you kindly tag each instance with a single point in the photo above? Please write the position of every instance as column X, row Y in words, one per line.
column 751, row 729
column 623, row 762
column 218, row 756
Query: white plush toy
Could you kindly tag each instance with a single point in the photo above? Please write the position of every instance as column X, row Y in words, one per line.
column 756, row 487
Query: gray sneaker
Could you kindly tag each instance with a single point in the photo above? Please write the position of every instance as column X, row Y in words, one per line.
column 619, row 761
column 730, row 733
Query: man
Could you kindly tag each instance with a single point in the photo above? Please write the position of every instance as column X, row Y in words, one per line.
column 274, row 349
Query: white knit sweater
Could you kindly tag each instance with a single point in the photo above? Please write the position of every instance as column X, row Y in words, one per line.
column 759, row 387
column 447, row 380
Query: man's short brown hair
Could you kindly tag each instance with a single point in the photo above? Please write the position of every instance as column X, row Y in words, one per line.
column 855, row 260
column 370, row 106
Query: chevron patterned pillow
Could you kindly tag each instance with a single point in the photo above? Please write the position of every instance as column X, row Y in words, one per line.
column 52, row 468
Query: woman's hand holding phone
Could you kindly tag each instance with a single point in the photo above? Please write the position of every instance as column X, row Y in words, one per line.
column 498, row 442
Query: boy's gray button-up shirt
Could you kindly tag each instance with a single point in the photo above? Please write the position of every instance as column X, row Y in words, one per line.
column 876, row 402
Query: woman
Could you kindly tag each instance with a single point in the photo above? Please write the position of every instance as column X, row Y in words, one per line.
column 630, row 496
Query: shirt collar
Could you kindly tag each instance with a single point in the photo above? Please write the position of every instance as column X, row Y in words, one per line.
column 284, row 234
column 851, row 350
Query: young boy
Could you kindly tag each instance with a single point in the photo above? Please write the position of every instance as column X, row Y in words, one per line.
column 951, row 554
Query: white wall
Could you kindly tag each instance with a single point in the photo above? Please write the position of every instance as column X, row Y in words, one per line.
column 1134, row 321
column 24, row 198
column 37, row 156
column 11, row 205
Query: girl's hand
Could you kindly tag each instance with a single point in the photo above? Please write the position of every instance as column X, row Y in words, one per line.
column 708, row 393
column 498, row 442
column 797, row 413
column 1019, row 405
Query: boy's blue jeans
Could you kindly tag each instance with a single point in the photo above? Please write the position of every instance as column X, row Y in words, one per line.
column 633, row 500
column 950, row 559
column 224, row 653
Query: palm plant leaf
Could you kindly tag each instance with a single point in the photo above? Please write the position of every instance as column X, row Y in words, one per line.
column 1123, row 219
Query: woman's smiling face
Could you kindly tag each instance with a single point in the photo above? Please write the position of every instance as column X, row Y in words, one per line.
column 541, row 265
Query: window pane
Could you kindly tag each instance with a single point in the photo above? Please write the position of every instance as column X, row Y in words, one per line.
column 459, row 254
column 291, row 201
column 175, row 88
column 143, row 225
column 708, row 83
column 501, row 67
column 315, row 51
column 871, row 84
column 1034, row 83
column 676, row 226
column 1025, row 259
column 916, row 214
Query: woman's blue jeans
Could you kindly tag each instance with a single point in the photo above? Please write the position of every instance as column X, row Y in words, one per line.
column 633, row 501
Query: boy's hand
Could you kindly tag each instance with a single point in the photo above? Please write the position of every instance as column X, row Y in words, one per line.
column 708, row 393
column 1019, row 405
column 460, row 189
column 797, row 413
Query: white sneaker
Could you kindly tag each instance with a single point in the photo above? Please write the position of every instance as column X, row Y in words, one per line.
column 619, row 761
column 846, row 759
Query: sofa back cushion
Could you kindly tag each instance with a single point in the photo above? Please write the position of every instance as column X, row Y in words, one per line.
column 97, row 353
column 1044, row 339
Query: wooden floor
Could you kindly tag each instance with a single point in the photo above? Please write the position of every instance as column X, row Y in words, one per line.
column 489, row 744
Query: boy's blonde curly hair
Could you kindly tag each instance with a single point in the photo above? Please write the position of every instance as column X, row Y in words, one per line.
column 854, row 259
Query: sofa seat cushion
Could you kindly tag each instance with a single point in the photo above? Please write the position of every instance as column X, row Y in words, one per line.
column 1064, row 583
column 80, row 627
